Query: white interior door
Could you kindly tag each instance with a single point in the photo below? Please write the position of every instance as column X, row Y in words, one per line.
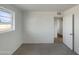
column 67, row 31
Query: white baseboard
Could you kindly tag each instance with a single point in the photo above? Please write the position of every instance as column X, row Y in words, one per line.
column 37, row 43
column 5, row 52
column 9, row 52
column 77, row 52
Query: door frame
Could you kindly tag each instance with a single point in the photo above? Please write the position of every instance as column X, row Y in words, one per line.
column 73, row 24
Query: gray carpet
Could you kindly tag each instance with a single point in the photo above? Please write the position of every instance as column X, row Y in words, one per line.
column 43, row 49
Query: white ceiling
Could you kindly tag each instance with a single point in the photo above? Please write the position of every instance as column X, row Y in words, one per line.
column 45, row 7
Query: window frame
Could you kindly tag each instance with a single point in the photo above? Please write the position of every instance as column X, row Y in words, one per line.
column 13, row 19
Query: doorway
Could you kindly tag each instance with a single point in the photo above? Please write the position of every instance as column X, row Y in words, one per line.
column 58, row 30
column 64, row 30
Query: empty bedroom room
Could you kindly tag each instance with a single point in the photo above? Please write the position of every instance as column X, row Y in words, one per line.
column 33, row 29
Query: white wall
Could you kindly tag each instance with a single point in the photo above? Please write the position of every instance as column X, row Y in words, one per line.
column 77, row 32
column 10, row 41
column 60, row 26
column 75, row 11
column 39, row 27
column 55, row 28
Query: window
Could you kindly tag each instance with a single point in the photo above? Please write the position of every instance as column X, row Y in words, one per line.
column 6, row 20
